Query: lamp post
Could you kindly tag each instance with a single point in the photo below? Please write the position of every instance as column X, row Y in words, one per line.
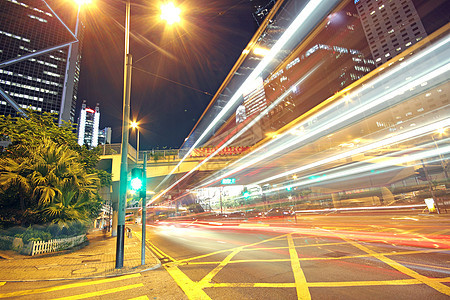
column 124, row 150
column 171, row 15
column 134, row 125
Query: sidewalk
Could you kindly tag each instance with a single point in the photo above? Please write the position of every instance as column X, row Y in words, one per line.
column 97, row 259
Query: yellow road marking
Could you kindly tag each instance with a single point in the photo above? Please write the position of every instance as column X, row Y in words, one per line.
column 2, row 283
column 104, row 292
column 153, row 248
column 300, row 279
column 298, row 246
column 323, row 284
column 316, row 258
column 423, row 265
column 420, row 236
column 189, row 287
column 140, row 298
column 440, row 232
column 372, row 282
column 217, row 269
column 442, row 288
column 67, row 286
column 231, row 249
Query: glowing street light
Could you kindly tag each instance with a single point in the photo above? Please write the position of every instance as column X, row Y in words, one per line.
column 170, row 13
column 125, row 133
column 134, row 125
column 83, row 2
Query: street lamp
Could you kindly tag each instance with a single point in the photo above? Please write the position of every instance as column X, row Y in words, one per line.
column 134, row 125
column 125, row 133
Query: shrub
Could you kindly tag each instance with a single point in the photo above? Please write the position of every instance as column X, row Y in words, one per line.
column 5, row 244
column 32, row 234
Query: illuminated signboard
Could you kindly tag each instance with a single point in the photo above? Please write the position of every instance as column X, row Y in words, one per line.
column 228, row 181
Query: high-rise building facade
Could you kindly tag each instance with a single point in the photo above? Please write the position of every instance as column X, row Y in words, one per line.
column 40, row 83
column 390, row 26
column 104, row 136
column 88, row 123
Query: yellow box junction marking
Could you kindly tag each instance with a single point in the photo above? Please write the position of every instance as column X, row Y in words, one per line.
column 300, row 279
column 440, row 287
column 194, row 290
column 67, row 286
column 221, row 265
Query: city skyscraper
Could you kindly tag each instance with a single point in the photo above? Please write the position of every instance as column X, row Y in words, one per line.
column 104, row 136
column 47, row 82
column 88, row 123
column 390, row 27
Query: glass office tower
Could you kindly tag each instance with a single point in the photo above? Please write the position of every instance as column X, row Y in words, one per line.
column 27, row 26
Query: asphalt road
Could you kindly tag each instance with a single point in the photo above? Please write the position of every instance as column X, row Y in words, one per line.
column 319, row 257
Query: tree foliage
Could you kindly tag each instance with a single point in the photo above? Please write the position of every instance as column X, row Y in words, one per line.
column 45, row 176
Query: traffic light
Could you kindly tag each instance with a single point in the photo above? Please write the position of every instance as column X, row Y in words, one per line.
column 136, row 179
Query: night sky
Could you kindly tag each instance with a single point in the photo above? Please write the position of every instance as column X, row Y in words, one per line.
column 176, row 71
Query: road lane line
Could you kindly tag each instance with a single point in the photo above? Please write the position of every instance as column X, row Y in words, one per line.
column 67, row 286
column 2, row 283
column 231, row 249
column 250, row 285
column 189, row 287
column 103, row 292
column 373, row 282
column 421, row 237
column 221, row 265
column 154, row 249
column 440, row 287
column 300, row 280
column 325, row 284
column 140, row 298
column 314, row 258
column 440, row 232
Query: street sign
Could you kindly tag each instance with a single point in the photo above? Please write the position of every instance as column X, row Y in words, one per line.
column 228, row 181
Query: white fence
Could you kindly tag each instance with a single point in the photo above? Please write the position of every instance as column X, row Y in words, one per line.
column 39, row 247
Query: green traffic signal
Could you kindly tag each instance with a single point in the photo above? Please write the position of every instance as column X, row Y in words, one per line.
column 136, row 179
column 136, row 184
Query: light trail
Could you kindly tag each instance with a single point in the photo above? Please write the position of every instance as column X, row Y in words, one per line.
column 337, row 121
column 368, row 168
column 394, row 139
column 401, row 90
column 301, row 19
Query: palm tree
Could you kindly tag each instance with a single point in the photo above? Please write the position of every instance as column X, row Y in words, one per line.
column 13, row 173
column 55, row 180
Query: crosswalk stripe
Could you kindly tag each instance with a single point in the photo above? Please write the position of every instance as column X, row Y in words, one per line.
column 67, row 286
column 104, row 292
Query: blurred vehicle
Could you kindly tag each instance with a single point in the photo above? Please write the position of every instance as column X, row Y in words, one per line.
column 235, row 215
column 254, row 213
column 279, row 212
